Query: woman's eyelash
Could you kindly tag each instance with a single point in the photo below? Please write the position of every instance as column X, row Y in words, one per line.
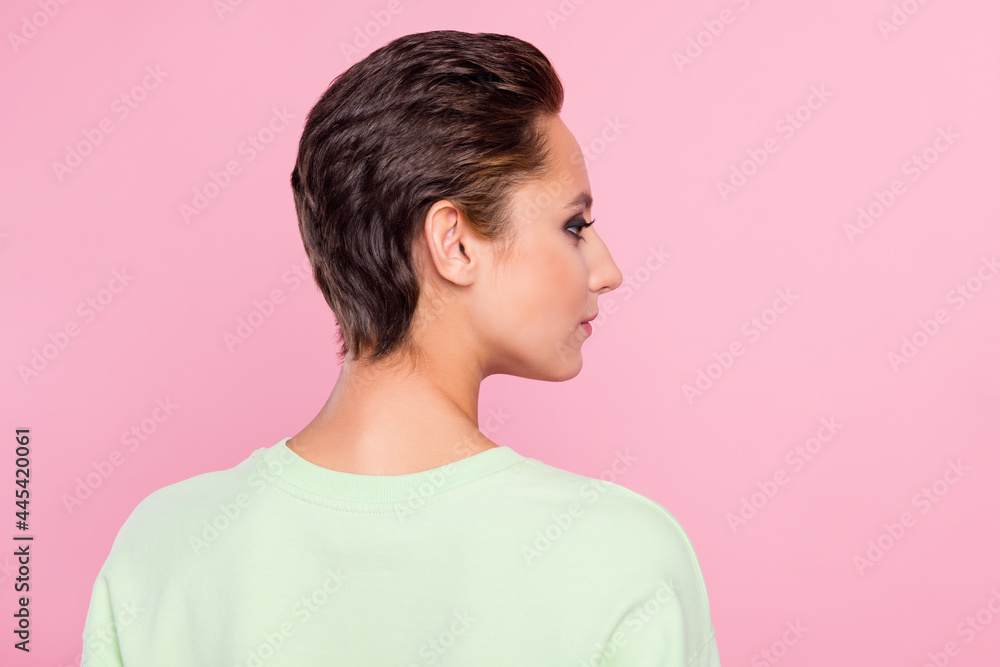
column 581, row 223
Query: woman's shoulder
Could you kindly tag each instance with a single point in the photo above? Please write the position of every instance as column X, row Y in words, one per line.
column 623, row 540
column 178, row 508
column 611, row 512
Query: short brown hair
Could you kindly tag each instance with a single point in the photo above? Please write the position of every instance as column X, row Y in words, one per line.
column 429, row 116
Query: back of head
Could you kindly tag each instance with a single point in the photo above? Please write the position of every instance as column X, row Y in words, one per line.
column 429, row 116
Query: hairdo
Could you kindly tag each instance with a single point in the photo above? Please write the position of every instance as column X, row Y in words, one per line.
column 429, row 116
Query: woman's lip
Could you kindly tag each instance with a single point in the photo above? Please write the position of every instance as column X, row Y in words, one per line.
column 587, row 327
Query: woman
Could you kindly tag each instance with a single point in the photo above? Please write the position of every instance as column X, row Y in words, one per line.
column 445, row 208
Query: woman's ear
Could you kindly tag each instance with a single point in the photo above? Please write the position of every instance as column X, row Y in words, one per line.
column 451, row 232
column 451, row 243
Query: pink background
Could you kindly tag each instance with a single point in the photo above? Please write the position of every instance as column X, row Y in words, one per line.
column 660, row 137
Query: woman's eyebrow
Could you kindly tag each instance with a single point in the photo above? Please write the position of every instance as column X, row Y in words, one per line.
column 582, row 198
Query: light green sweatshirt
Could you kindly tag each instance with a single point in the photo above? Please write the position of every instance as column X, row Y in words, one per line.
column 496, row 559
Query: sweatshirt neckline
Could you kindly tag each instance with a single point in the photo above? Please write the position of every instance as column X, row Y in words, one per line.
column 278, row 461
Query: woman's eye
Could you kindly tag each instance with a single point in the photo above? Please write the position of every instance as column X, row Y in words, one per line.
column 579, row 223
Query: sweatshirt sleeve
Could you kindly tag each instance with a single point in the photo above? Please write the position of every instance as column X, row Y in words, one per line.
column 660, row 632
column 667, row 621
column 100, row 634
